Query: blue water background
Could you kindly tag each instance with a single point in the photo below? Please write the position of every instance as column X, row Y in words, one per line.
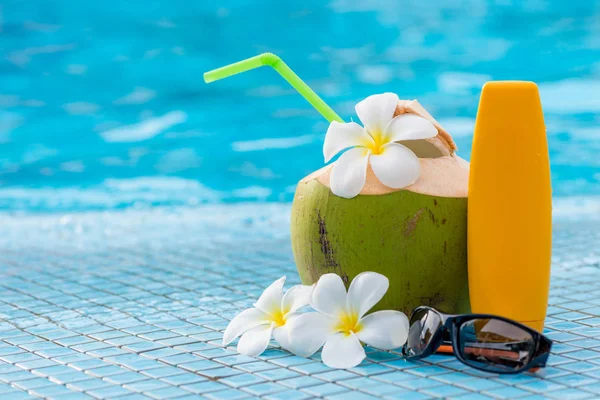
column 103, row 105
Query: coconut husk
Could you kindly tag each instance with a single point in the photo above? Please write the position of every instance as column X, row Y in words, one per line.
column 446, row 176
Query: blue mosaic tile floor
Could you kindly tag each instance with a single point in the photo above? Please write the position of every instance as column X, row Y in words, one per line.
column 133, row 304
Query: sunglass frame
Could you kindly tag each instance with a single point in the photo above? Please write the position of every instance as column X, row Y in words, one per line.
column 452, row 323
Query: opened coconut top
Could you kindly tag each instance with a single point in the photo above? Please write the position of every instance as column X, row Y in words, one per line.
column 443, row 141
column 442, row 172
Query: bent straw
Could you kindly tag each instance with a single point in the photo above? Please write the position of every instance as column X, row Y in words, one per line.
column 271, row 60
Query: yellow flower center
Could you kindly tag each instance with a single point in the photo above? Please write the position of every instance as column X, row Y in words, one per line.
column 279, row 317
column 348, row 323
column 376, row 145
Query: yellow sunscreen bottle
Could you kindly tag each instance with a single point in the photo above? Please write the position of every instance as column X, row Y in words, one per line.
column 510, row 205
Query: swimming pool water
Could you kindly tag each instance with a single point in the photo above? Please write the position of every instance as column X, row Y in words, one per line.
column 102, row 104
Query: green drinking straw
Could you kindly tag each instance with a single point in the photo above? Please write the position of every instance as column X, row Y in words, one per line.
column 271, row 60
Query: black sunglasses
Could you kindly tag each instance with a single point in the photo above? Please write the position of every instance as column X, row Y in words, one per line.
column 486, row 342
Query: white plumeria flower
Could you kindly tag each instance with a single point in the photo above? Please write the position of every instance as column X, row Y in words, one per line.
column 340, row 323
column 395, row 165
column 272, row 314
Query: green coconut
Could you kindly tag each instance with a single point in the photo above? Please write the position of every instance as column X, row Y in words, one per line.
column 416, row 236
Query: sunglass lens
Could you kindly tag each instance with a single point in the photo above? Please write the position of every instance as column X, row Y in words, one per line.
column 423, row 325
column 495, row 345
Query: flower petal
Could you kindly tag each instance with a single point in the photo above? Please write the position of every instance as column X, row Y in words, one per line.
column 385, row 330
column 282, row 335
column 349, row 173
column 377, row 111
column 329, row 295
column 270, row 300
column 396, row 167
column 340, row 136
column 242, row 322
column 366, row 289
column 409, row 127
column 343, row 351
column 308, row 332
column 255, row 341
column 296, row 297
